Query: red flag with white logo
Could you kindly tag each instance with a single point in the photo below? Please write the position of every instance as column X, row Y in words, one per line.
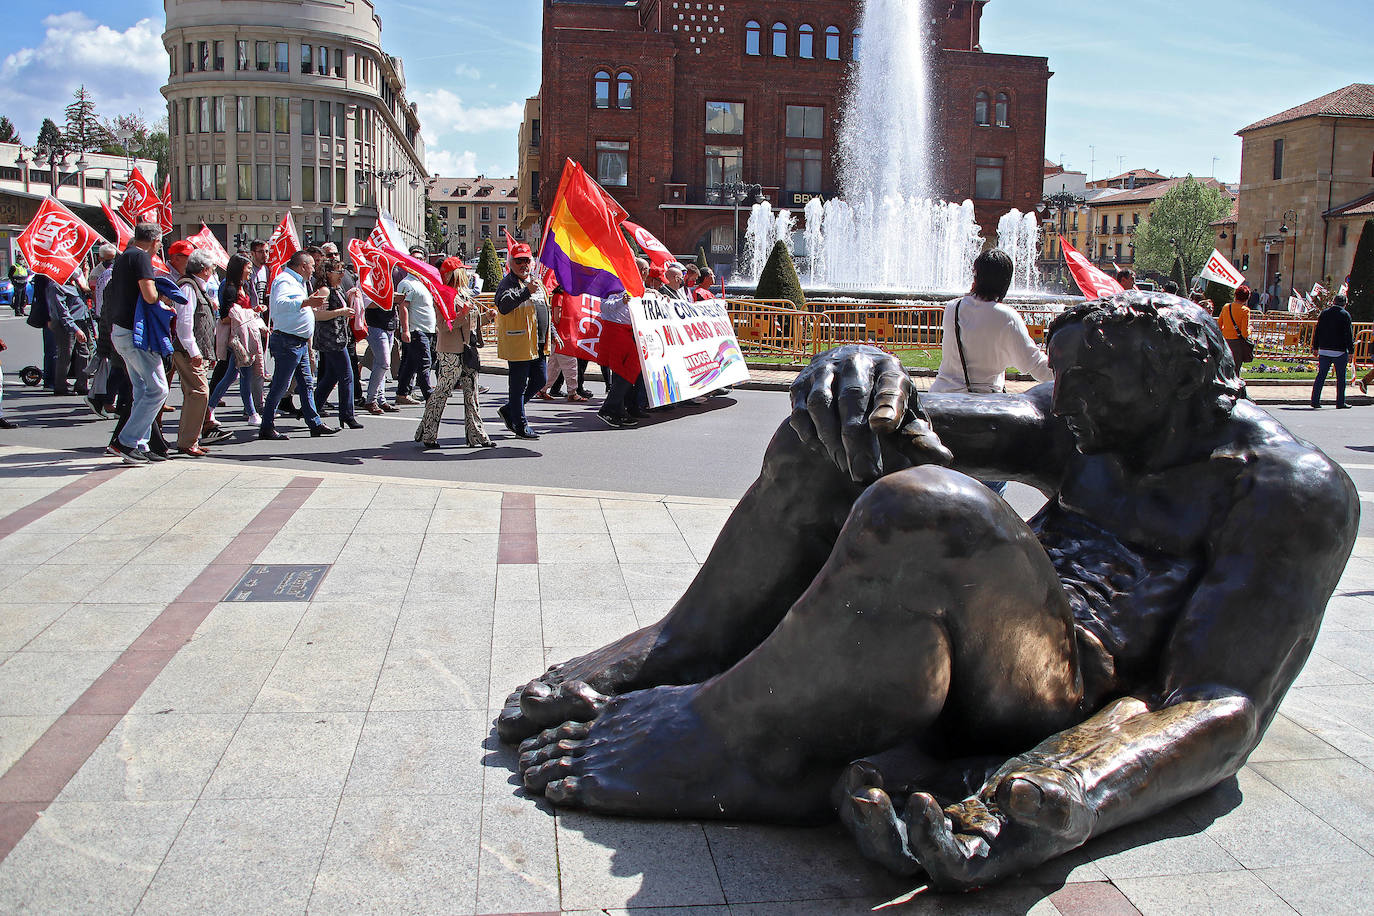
column 447, row 302
column 374, row 272
column 1094, row 283
column 141, row 203
column 164, row 210
column 123, row 231
column 205, row 241
column 585, row 334
column 55, row 241
column 654, row 250
column 281, row 246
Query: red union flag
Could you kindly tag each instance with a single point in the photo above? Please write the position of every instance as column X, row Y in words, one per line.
column 1222, row 271
column 55, row 241
column 585, row 334
column 1093, row 282
column 657, row 254
column 386, row 234
column 141, row 203
column 374, row 272
column 205, row 241
column 281, row 246
column 123, row 231
column 164, row 210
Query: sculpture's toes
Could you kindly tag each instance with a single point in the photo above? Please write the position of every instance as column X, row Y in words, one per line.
column 563, row 760
column 861, row 776
column 545, row 745
column 545, row 706
column 879, row 833
column 512, row 725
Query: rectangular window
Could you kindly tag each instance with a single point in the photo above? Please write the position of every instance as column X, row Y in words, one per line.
column 241, row 58
column 192, row 116
column 171, row 121
column 500, row 212
column 326, row 184
column 724, row 165
column 462, row 212
column 341, row 185
column 203, row 56
column 245, row 182
column 207, row 183
column 462, row 229
column 307, row 58
column 987, row 178
column 326, row 120
column 245, row 114
column 283, row 57
column 221, row 181
column 307, row 117
column 1278, row 159
column 262, row 180
column 282, row 111
column 191, row 182
column 322, row 61
column 486, row 214
column 613, row 163
column 725, row 118
column 219, row 55
column 283, row 182
column 262, row 121
column 307, row 184
column 205, row 122
column 803, row 170
column 190, row 57
column 172, row 62
column 263, row 52
column 340, row 120
column 486, row 232
column 1118, row 251
column 806, row 122
column 338, row 62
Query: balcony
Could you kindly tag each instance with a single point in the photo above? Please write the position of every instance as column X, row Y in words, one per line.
column 685, row 195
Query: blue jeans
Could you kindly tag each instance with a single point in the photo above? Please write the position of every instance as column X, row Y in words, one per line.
column 290, row 359
column 149, row 382
column 1324, row 363
column 245, row 377
column 336, row 369
column 379, row 344
column 526, row 377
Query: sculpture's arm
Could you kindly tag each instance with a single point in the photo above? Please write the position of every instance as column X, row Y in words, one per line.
column 857, row 404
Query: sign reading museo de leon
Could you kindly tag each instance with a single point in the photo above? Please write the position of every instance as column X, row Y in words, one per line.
column 686, row 348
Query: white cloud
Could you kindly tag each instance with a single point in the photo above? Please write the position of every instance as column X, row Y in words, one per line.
column 442, row 112
column 467, row 71
column 449, row 164
column 123, row 71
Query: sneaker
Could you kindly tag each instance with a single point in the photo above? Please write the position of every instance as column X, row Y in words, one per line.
column 149, row 455
column 134, row 457
column 254, row 420
column 611, row 420
column 96, row 407
column 217, row 434
column 405, row 400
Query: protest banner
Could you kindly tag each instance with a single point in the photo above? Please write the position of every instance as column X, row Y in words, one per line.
column 686, row 349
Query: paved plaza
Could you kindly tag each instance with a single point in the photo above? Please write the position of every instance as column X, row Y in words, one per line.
column 165, row 750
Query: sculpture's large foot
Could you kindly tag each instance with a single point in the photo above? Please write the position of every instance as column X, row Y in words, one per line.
column 648, row 753
column 560, row 695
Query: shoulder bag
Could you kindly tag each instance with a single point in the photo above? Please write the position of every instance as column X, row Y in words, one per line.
column 1244, row 350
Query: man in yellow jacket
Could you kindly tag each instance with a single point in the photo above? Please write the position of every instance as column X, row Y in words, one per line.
column 522, row 336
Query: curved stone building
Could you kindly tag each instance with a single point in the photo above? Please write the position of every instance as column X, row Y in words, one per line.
column 277, row 105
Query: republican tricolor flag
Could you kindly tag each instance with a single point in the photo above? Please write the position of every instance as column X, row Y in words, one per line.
column 583, row 245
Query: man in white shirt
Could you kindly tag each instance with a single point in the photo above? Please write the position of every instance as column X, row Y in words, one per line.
column 415, row 308
column 293, row 321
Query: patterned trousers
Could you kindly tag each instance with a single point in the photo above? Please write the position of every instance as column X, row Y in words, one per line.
column 452, row 372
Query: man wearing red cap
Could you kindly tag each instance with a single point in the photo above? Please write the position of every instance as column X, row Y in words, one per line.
column 522, row 336
column 177, row 254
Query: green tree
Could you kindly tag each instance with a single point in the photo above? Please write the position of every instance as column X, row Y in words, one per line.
column 50, row 141
column 1219, row 293
column 1177, row 276
column 1180, row 225
column 7, row 132
column 434, row 230
column 84, row 131
column 489, row 267
column 779, row 278
column 1361, row 291
column 702, row 263
column 143, row 141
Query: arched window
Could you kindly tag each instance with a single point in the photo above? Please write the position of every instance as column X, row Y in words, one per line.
column 779, row 39
column 858, row 43
column 832, row 42
column 1001, row 112
column 624, row 89
column 980, row 109
column 752, row 30
column 601, row 84
column 806, row 42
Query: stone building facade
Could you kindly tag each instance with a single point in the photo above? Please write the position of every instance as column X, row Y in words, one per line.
column 289, row 105
column 665, row 102
column 474, row 209
column 1306, row 175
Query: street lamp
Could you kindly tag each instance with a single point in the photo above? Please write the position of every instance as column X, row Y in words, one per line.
column 737, row 192
column 1291, row 216
column 1061, row 202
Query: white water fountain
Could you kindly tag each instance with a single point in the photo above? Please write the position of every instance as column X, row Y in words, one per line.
column 885, row 231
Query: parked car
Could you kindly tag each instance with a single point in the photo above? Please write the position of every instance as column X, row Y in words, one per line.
column 6, row 291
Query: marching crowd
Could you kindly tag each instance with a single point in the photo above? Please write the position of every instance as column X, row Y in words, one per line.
column 121, row 331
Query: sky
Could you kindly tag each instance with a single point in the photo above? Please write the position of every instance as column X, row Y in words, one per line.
column 1162, row 85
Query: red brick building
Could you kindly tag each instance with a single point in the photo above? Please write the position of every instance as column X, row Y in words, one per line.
column 667, row 101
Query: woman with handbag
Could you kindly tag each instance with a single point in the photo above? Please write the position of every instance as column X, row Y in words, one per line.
column 456, row 354
column 333, row 340
column 242, row 331
column 1235, row 327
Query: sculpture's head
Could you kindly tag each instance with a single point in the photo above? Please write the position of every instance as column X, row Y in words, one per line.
column 1125, row 366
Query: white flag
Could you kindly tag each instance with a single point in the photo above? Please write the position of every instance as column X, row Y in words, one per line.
column 1222, row 271
column 1317, row 290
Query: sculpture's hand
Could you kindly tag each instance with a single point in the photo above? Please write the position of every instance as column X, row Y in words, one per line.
column 1025, row 815
column 846, row 399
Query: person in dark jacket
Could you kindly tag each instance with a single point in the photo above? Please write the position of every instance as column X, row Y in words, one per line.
column 1333, row 343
